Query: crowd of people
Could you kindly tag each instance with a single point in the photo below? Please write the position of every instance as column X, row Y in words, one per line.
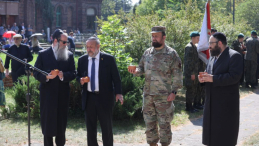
column 211, row 86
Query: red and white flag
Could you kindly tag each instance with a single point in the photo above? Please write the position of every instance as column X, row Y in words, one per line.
column 203, row 45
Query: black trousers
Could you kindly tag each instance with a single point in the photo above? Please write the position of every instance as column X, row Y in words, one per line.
column 60, row 140
column 95, row 111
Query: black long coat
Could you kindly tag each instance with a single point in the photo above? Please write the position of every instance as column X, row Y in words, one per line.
column 54, row 94
column 23, row 52
column 221, row 112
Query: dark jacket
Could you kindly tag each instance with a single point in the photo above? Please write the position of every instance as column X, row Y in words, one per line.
column 221, row 112
column 54, row 94
column 109, row 79
column 23, row 52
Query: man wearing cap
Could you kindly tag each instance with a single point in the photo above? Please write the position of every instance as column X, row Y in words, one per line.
column 54, row 88
column 252, row 47
column 221, row 111
column 238, row 45
column 191, row 71
column 161, row 65
column 20, row 51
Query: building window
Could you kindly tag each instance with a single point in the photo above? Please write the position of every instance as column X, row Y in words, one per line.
column 69, row 17
column 90, row 18
column 58, row 16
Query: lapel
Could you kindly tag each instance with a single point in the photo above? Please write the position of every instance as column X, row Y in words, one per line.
column 101, row 65
column 221, row 58
column 85, row 72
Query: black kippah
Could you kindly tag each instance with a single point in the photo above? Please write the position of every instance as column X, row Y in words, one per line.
column 57, row 34
column 220, row 36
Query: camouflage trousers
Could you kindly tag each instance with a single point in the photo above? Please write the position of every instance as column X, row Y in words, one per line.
column 200, row 96
column 250, row 71
column 158, row 111
column 191, row 94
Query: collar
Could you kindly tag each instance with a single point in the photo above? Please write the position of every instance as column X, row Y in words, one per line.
column 153, row 50
column 96, row 57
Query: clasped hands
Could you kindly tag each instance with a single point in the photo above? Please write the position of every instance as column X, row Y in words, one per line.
column 50, row 76
column 205, row 77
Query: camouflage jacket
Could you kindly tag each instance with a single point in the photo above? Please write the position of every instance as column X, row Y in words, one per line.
column 191, row 64
column 236, row 45
column 252, row 47
column 162, row 71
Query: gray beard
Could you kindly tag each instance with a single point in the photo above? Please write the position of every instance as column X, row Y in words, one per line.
column 61, row 53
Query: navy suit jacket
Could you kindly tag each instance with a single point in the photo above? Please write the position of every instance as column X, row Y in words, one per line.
column 109, row 79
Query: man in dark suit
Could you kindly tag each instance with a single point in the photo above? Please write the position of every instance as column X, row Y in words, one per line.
column 98, row 94
column 20, row 51
column 54, row 89
column 221, row 112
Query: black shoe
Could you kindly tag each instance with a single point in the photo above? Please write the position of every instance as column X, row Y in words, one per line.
column 247, row 86
column 192, row 110
column 253, row 87
column 199, row 107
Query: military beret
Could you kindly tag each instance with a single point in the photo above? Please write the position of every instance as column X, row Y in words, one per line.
column 241, row 35
column 220, row 36
column 253, row 32
column 57, row 34
column 194, row 34
column 213, row 30
column 156, row 29
column 17, row 36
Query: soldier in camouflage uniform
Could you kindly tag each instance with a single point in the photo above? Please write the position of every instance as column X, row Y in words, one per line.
column 199, row 100
column 161, row 66
column 239, row 46
column 191, row 71
column 252, row 46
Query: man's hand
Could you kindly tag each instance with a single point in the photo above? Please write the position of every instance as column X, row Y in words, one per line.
column 207, row 78
column 7, row 73
column 193, row 77
column 132, row 71
column 119, row 97
column 50, row 76
column 171, row 97
column 82, row 81
column 200, row 79
column 60, row 74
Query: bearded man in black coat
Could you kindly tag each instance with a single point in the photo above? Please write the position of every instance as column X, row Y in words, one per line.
column 54, row 89
column 221, row 111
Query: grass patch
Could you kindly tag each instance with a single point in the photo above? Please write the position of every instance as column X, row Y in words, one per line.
column 253, row 140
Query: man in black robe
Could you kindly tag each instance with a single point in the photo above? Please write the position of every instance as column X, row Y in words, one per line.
column 20, row 51
column 54, row 89
column 221, row 111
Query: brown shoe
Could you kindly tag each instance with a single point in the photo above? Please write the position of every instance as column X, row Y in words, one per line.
column 153, row 144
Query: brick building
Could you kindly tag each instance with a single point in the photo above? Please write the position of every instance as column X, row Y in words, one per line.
column 67, row 14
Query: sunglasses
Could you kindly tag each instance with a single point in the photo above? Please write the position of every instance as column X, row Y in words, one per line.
column 64, row 42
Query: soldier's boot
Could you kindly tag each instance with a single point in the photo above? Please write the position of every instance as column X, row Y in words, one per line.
column 198, row 106
column 190, row 108
column 153, row 144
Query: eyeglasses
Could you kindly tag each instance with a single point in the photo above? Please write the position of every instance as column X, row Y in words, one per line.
column 213, row 42
column 64, row 42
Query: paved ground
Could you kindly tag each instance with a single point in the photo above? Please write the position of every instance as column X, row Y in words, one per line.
column 191, row 134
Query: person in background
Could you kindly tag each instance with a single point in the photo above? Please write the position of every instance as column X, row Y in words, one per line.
column 20, row 51
column 213, row 31
column 238, row 45
column 2, row 76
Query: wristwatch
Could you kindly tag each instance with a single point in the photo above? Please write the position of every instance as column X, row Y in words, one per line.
column 174, row 92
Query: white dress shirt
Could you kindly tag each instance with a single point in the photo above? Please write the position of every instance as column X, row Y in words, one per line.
column 90, row 62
